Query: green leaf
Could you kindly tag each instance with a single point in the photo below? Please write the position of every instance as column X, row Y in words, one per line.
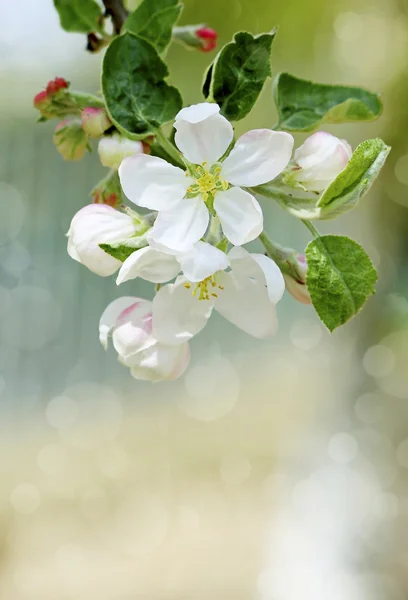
column 340, row 278
column 153, row 20
column 138, row 99
column 82, row 16
column 123, row 251
column 354, row 182
column 238, row 74
column 304, row 105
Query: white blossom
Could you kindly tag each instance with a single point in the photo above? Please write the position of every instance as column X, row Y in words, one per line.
column 98, row 224
column 246, row 296
column 319, row 160
column 129, row 321
column 184, row 199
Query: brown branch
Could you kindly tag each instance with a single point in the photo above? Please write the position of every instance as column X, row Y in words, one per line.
column 118, row 13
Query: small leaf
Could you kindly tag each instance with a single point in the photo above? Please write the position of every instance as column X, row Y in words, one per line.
column 340, row 278
column 304, row 105
column 123, row 251
column 238, row 74
column 153, row 20
column 354, row 182
column 82, row 16
column 138, row 99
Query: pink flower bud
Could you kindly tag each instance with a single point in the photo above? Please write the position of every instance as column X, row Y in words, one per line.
column 199, row 37
column 98, row 224
column 71, row 140
column 43, row 103
column 40, row 99
column 108, row 191
column 129, row 320
column 115, row 148
column 57, row 84
column 319, row 160
column 95, row 121
column 297, row 288
column 208, row 38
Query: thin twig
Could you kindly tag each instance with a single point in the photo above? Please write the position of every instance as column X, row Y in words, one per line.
column 116, row 10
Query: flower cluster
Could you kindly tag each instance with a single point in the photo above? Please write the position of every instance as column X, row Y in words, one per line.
column 191, row 245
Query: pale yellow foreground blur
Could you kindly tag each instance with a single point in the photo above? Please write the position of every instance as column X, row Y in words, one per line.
column 273, row 470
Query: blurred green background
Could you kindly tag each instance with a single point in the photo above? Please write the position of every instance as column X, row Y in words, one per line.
column 274, row 469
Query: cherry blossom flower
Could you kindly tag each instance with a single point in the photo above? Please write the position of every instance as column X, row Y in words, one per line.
column 129, row 320
column 245, row 295
column 319, row 160
column 98, row 224
column 211, row 184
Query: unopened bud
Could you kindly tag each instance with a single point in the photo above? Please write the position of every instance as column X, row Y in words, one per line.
column 71, row 140
column 318, row 161
column 200, row 37
column 95, row 121
column 108, row 191
column 43, row 103
column 94, row 225
column 296, row 286
column 115, row 148
column 57, row 84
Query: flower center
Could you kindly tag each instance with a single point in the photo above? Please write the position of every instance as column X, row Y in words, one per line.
column 207, row 182
column 206, row 288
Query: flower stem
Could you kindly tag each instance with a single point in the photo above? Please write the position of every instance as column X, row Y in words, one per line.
column 169, row 148
column 280, row 255
column 214, row 232
column 311, row 228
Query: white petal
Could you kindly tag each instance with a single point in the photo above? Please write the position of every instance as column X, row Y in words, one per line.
column 114, row 310
column 258, row 156
column 240, row 215
column 152, row 182
column 260, row 268
column 179, row 229
column 321, row 158
column 275, row 282
column 177, row 314
column 132, row 335
column 162, row 363
column 93, row 225
column 197, row 112
column 202, row 261
column 202, row 134
column 246, row 304
column 149, row 264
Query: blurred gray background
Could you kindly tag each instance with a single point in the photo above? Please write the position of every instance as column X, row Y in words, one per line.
column 274, row 469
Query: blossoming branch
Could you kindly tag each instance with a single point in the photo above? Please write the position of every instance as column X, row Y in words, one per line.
column 182, row 195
